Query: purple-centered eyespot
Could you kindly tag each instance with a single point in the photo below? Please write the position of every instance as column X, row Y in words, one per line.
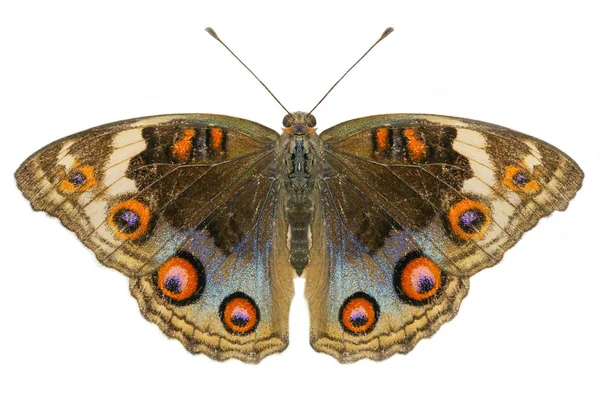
column 417, row 279
column 468, row 219
column 239, row 314
column 181, row 278
column 520, row 179
column 359, row 314
column 79, row 179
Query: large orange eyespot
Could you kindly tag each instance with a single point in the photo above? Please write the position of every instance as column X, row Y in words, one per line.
column 469, row 219
column 359, row 314
column 79, row 180
column 181, row 278
column 417, row 278
column 239, row 314
column 519, row 180
column 129, row 219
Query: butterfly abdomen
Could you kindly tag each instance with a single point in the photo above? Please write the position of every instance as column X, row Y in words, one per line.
column 299, row 213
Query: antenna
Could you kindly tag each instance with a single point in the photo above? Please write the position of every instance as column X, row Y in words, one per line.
column 216, row 37
column 387, row 32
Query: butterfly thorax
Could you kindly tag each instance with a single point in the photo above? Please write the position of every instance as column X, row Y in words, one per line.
column 298, row 154
column 299, row 184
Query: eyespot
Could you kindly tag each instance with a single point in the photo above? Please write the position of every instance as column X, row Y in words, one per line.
column 417, row 278
column 287, row 120
column 359, row 314
column 79, row 180
column 129, row 219
column 519, row 180
column 181, row 278
column 469, row 219
column 239, row 314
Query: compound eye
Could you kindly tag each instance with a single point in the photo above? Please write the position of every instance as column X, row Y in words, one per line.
column 287, row 120
column 311, row 121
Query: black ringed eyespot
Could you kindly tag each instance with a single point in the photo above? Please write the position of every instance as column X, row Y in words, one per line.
column 359, row 314
column 239, row 314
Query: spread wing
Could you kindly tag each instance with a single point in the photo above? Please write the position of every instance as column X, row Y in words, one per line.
column 411, row 207
column 187, row 207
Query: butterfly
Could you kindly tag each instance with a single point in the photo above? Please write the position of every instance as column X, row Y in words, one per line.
column 211, row 218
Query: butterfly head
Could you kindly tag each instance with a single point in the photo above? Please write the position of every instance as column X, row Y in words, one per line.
column 299, row 123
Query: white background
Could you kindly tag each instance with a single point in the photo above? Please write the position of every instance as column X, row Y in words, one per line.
column 527, row 334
